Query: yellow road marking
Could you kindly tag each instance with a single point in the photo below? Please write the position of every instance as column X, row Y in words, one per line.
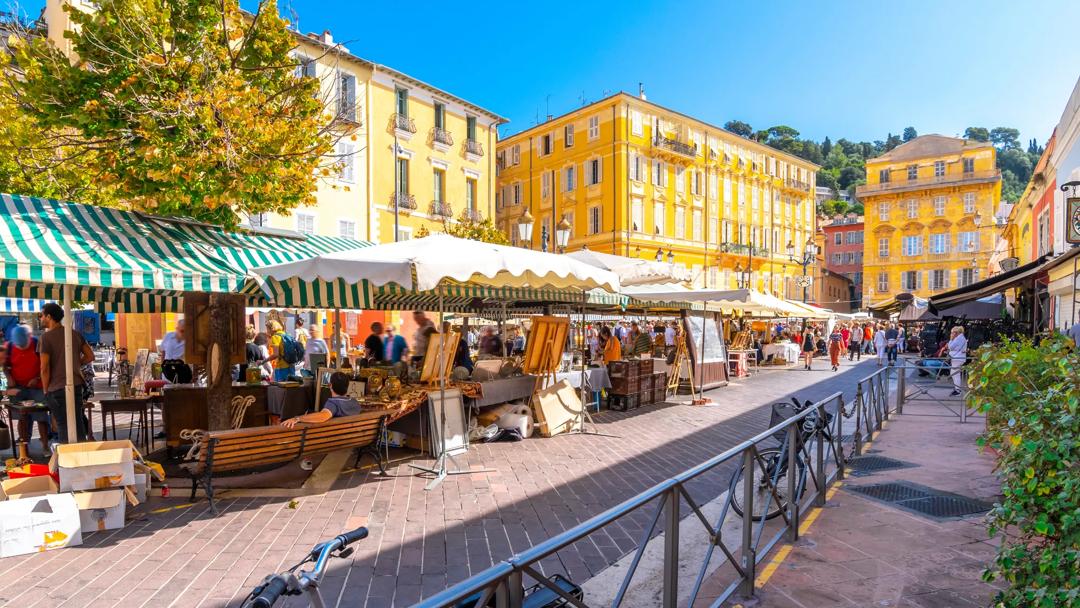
column 167, row 509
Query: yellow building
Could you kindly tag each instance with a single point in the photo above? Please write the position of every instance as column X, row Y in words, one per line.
column 930, row 216
column 637, row 179
column 399, row 140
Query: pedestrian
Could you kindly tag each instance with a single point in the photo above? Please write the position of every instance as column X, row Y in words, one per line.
column 22, row 367
column 424, row 328
column 374, row 350
column 642, row 343
column 285, row 351
column 845, row 333
column 855, row 349
column 171, row 355
column 901, row 339
column 957, row 356
column 807, row 347
column 1074, row 333
column 302, row 335
column 490, row 343
column 836, row 344
column 879, row 345
column 611, row 345
column 315, row 345
column 394, row 345
column 54, row 370
column 892, row 337
column 868, row 337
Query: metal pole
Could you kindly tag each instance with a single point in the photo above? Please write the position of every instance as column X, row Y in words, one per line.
column 792, row 482
column 901, row 388
column 805, row 287
column 671, row 549
column 69, row 368
column 749, row 559
column 819, row 456
column 858, row 421
column 337, row 339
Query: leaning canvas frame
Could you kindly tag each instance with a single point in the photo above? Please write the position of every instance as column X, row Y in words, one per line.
column 456, row 439
column 544, row 332
column 431, row 357
column 322, row 378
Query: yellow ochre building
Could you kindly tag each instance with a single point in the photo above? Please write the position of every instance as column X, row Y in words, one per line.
column 637, row 179
column 930, row 207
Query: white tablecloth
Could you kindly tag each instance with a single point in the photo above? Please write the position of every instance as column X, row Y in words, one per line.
column 788, row 350
column 597, row 377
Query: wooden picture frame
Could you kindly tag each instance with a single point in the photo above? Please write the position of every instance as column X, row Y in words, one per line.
column 449, row 342
column 322, row 378
column 545, row 344
column 456, row 438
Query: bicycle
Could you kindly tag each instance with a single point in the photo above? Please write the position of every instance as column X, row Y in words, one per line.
column 305, row 582
column 772, row 472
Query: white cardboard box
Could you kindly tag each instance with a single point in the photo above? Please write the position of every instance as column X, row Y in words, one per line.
column 32, row 525
column 142, row 486
column 27, row 487
column 101, row 510
column 95, row 465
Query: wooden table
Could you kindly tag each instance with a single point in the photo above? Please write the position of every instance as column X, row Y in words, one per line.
column 131, row 405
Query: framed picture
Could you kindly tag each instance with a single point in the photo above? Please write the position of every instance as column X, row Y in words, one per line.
column 356, row 390
column 453, row 439
column 545, row 345
column 322, row 383
column 449, row 344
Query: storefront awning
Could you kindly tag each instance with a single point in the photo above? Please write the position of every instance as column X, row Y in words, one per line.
column 989, row 286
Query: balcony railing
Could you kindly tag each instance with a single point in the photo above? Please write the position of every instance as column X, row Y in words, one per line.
column 744, row 249
column 674, row 145
column 796, row 184
column 474, row 147
column 948, row 178
column 403, row 202
column 404, row 123
column 440, row 209
column 441, row 136
column 472, row 215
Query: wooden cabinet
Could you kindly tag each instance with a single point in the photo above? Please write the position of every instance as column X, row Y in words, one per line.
column 184, row 407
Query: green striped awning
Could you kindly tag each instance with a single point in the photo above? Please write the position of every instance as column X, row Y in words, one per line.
column 132, row 262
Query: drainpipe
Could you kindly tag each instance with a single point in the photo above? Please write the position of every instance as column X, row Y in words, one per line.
column 397, row 179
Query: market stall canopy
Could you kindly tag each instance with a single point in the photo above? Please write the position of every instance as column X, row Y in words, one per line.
column 894, row 304
column 415, row 268
column 633, row 271
column 130, row 261
column 812, row 312
column 984, row 308
column 747, row 301
column 990, row 286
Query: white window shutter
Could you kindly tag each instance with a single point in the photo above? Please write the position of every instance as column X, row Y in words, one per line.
column 600, row 169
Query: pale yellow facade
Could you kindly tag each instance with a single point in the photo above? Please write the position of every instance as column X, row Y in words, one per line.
column 635, row 178
column 388, row 147
column 930, row 208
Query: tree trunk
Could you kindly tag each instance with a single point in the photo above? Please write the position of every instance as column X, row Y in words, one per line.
column 218, row 377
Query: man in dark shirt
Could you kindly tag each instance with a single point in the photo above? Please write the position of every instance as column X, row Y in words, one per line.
column 54, row 372
column 338, row 405
column 374, row 351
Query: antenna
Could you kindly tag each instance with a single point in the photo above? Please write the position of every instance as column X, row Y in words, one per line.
column 547, row 106
column 295, row 18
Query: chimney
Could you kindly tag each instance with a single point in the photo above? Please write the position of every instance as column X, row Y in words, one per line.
column 327, row 38
column 550, row 118
column 641, row 91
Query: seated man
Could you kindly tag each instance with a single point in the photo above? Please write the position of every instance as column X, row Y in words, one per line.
column 336, row 406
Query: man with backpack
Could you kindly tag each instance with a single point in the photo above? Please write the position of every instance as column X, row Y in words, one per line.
column 285, row 351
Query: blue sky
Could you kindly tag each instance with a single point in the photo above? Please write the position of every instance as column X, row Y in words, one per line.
column 844, row 68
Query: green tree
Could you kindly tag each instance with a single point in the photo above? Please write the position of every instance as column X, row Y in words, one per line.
column 183, row 108
column 483, row 230
column 977, row 134
column 892, row 141
column 1005, row 138
column 826, row 147
column 739, row 128
column 910, row 134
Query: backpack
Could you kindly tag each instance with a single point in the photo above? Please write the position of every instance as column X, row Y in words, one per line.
column 292, row 352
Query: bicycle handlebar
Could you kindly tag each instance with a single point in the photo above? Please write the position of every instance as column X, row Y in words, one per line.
column 353, row 536
column 270, row 593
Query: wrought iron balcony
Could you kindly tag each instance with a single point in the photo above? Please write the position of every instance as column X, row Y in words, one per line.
column 472, row 215
column 403, row 202
column 441, row 136
column 674, row 145
column 404, row 123
column 740, row 248
column 796, row 184
column 440, row 209
column 912, row 184
column 473, row 146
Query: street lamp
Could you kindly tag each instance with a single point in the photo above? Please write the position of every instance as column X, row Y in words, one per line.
column 670, row 257
column 808, row 257
column 562, row 234
column 742, row 277
column 660, row 254
column 544, row 237
column 525, row 227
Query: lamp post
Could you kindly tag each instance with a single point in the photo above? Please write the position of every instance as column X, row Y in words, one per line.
column 525, row 227
column 660, row 254
column 742, row 277
column 670, row 257
column 544, row 238
column 807, row 258
column 562, row 234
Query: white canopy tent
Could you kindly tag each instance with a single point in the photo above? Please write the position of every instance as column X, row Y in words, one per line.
column 748, row 301
column 633, row 271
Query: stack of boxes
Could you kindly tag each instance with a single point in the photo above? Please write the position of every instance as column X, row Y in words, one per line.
column 633, row 384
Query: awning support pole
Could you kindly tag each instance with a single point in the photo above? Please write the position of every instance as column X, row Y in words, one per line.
column 69, row 368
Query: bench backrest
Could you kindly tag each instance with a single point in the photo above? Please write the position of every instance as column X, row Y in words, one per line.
column 265, row 445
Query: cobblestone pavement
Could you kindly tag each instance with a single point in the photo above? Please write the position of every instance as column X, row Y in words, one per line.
column 863, row 552
column 182, row 555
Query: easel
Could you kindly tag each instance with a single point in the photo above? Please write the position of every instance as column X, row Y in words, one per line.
column 682, row 356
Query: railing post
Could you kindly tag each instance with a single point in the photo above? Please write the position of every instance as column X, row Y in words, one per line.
column 792, row 482
column 671, row 549
column 749, row 559
column 819, row 455
column 901, row 388
column 515, row 590
column 882, row 396
column 858, row 438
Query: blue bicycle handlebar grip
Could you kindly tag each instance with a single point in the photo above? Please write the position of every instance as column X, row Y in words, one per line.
column 270, row 593
column 353, row 536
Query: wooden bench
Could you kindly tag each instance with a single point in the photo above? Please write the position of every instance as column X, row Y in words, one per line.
column 233, row 450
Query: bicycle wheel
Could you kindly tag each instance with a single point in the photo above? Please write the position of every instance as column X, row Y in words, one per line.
column 775, row 472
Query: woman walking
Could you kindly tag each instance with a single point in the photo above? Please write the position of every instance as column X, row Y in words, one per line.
column 855, row 350
column 807, row 347
column 836, row 343
column 879, row 345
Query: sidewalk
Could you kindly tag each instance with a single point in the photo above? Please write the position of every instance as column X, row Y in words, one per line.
column 859, row 551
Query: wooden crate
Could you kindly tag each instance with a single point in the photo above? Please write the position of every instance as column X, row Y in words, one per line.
column 623, row 385
column 645, row 367
column 646, row 384
column 645, row 397
column 618, row 369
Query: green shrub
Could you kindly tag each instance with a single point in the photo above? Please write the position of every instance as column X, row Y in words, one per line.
column 1031, row 396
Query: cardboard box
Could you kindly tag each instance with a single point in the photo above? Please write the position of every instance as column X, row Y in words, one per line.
column 142, row 486
column 27, row 487
column 32, row 525
column 101, row 510
column 95, row 465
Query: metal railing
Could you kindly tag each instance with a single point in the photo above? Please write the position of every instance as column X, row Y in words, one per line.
column 440, row 209
column 933, row 384
column 472, row 215
column 474, row 147
column 948, row 178
column 441, row 136
column 679, row 147
column 403, row 123
column 405, row 202
column 816, row 452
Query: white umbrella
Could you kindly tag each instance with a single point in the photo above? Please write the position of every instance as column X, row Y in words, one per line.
column 633, row 271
